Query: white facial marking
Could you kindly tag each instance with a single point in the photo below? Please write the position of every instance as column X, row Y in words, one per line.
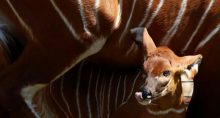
column 187, row 89
column 187, row 84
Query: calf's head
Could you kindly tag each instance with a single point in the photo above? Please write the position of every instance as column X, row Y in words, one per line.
column 165, row 73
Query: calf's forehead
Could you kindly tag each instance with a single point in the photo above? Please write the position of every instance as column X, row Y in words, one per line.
column 156, row 65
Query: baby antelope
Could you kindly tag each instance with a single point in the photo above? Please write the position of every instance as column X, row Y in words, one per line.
column 168, row 78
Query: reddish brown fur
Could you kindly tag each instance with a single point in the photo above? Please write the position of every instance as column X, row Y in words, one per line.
column 52, row 51
column 154, row 60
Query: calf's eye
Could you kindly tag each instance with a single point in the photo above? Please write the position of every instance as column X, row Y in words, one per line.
column 166, row 73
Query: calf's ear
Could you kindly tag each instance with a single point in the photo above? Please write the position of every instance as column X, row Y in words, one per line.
column 190, row 65
column 142, row 36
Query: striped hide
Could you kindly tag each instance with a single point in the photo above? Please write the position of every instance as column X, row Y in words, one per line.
column 89, row 91
column 93, row 90
column 53, row 36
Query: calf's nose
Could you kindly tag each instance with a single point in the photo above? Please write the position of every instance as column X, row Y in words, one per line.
column 146, row 94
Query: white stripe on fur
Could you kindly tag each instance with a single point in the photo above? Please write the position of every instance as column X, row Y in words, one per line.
column 172, row 31
column 199, row 25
